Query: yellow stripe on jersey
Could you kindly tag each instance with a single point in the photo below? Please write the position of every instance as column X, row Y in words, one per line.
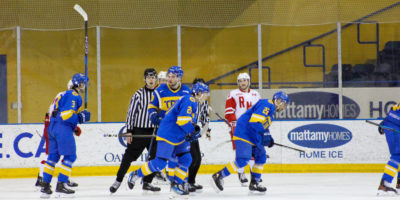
column 182, row 120
column 180, row 173
column 238, row 138
column 67, row 114
column 175, row 90
column 158, row 138
column 390, row 170
column 257, row 169
column 232, row 168
column 257, row 118
column 152, row 106
column 65, row 170
column 48, row 169
column 145, row 169
column 267, row 123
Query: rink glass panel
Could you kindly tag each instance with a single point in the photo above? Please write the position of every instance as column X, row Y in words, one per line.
column 49, row 59
column 212, row 52
column 125, row 54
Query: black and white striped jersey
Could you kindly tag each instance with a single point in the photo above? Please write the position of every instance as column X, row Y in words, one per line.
column 137, row 112
column 203, row 113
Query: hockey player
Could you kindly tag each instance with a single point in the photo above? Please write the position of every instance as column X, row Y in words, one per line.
column 138, row 123
column 164, row 98
column 64, row 118
column 250, row 137
column 238, row 102
column 176, row 131
column 392, row 120
column 162, row 77
column 77, row 132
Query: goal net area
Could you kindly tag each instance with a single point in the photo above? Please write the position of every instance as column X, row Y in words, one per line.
column 344, row 52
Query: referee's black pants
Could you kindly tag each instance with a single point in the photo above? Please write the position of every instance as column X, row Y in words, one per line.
column 135, row 149
column 196, row 161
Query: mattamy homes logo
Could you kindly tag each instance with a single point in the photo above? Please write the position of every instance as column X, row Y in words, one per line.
column 318, row 105
column 320, row 136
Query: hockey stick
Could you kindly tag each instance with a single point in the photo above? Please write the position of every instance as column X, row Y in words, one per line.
column 128, row 135
column 84, row 15
column 382, row 126
column 151, row 143
column 292, row 148
column 219, row 116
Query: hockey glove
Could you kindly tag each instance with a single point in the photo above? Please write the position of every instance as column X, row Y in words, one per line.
column 193, row 136
column 84, row 116
column 267, row 140
column 380, row 130
column 155, row 118
column 77, row 131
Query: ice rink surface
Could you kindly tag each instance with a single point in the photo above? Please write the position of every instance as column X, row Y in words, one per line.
column 311, row 186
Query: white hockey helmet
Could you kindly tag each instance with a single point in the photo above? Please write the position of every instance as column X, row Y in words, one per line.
column 70, row 85
column 162, row 75
column 243, row 76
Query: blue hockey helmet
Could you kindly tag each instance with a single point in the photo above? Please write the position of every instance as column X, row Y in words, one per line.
column 176, row 70
column 78, row 78
column 200, row 87
column 281, row 95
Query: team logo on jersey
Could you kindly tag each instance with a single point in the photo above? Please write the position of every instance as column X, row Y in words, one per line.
column 318, row 105
column 320, row 136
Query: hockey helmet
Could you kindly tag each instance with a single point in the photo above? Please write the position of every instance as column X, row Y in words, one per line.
column 176, row 70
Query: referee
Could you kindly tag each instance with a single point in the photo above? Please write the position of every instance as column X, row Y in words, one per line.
column 203, row 116
column 138, row 123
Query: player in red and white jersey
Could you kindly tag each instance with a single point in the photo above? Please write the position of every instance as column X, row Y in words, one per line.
column 237, row 103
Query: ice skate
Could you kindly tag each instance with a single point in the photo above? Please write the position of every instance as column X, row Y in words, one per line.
column 217, row 182
column 39, row 181
column 243, row 180
column 195, row 187
column 148, row 187
column 385, row 190
column 114, row 187
column 71, row 183
column 132, row 178
column 63, row 191
column 45, row 190
column 179, row 191
column 160, row 179
column 255, row 187
column 398, row 186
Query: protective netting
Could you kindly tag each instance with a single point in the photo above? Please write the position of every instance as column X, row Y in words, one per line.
column 58, row 14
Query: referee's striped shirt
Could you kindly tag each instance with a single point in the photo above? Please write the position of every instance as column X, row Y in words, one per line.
column 203, row 113
column 137, row 112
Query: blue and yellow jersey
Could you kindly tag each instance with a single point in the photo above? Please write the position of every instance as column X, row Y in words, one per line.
column 68, row 105
column 254, row 122
column 393, row 116
column 179, row 121
column 164, row 97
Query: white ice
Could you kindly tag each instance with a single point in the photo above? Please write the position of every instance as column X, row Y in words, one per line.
column 311, row 186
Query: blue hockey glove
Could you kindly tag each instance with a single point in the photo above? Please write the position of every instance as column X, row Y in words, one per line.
column 84, row 116
column 155, row 118
column 267, row 140
column 380, row 130
column 193, row 136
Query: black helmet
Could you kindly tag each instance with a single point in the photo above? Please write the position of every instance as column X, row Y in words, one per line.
column 150, row 72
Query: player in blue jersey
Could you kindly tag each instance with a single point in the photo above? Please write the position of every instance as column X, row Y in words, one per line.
column 176, row 131
column 392, row 120
column 250, row 137
column 164, row 98
column 67, row 113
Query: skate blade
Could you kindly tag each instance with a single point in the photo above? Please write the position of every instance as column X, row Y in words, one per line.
column 256, row 193
column 45, row 196
column 63, row 195
column 149, row 193
column 244, row 184
column 174, row 195
column 384, row 193
column 213, row 185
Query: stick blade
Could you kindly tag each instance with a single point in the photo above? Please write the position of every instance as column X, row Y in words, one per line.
column 82, row 12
